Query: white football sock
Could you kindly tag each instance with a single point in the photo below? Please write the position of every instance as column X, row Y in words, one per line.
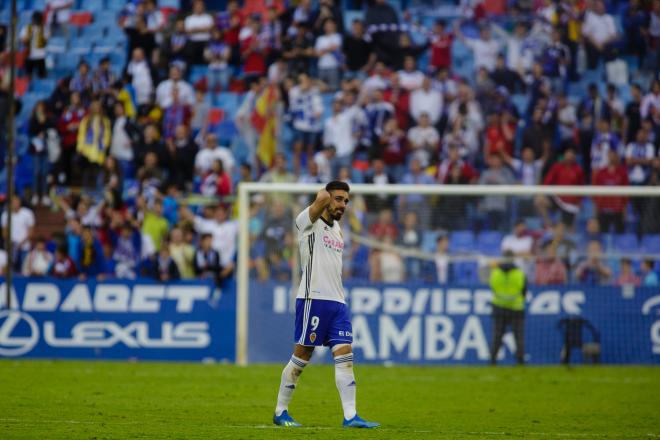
column 345, row 380
column 290, row 376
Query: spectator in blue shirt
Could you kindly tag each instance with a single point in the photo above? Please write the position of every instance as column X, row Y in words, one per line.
column 91, row 262
column 593, row 270
column 649, row 276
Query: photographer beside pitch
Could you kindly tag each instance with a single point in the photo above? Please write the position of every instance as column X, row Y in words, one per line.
column 509, row 286
column 322, row 317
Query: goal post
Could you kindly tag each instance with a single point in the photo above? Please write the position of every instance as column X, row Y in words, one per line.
column 247, row 190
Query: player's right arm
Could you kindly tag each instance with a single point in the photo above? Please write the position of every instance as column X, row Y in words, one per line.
column 309, row 216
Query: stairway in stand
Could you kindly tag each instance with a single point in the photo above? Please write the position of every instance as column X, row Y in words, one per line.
column 49, row 223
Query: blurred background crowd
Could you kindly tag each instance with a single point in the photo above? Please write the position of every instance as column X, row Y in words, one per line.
column 137, row 120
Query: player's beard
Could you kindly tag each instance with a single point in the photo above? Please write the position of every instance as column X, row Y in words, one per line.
column 335, row 214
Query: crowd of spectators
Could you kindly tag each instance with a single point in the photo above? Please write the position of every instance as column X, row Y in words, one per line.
column 380, row 99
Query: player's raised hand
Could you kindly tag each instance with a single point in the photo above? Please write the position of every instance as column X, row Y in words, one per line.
column 323, row 196
column 320, row 203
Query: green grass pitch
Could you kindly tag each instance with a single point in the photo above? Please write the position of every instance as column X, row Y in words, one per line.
column 115, row 400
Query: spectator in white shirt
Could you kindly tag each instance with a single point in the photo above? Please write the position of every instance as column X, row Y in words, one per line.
column 484, row 49
column 141, row 81
column 377, row 80
column 445, row 85
column 198, row 26
column 424, row 140
column 441, row 259
column 34, row 37
column 338, row 133
column 599, row 31
column 650, row 106
column 38, row 260
column 639, row 158
column 328, row 50
column 164, row 91
column 58, row 16
column 121, row 146
column 306, row 108
column 212, row 152
column 410, row 77
column 426, row 100
column 519, row 48
column 325, row 161
column 155, row 20
column 521, row 244
column 224, row 232
column 22, row 224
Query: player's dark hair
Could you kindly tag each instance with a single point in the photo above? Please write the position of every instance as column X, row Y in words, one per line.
column 337, row 184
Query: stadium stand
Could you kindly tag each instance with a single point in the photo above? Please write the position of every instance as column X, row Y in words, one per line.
column 185, row 113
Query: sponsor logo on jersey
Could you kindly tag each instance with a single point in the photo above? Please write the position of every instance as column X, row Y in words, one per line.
column 333, row 243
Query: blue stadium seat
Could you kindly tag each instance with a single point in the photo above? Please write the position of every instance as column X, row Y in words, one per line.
column 625, row 243
column 229, row 103
column 170, row 4
column 198, row 72
column 520, row 101
column 464, row 272
column 116, row 6
column 349, row 16
column 226, row 131
column 56, row 45
column 80, row 47
column 92, row 32
column 24, row 17
column 111, row 43
column 118, row 58
column 92, row 5
column 489, row 242
column 28, row 101
column 107, row 19
column 650, row 244
column 44, row 85
column 461, row 241
column 68, row 62
column 429, row 240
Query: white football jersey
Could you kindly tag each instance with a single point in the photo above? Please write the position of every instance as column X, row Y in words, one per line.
column 321, row 250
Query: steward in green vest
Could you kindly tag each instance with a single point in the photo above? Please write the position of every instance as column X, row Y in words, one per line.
column 509, row 286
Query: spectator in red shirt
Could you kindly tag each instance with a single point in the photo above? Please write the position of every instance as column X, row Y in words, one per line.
column 466, row 172
column 63, row 266
column 550, row 270
column 627, row 276
column 566, row 172
column 252, row 54
column 400, row 99
column 500, row 133
column 441, row 46
column 391, row 146
column 611, row 210
column 216, row 182
column 67, row 127
column 384, row 226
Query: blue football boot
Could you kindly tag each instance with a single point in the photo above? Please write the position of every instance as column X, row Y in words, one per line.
column 358, row 422
column 285, row 419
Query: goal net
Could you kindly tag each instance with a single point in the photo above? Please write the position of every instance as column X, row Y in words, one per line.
column 417, row 262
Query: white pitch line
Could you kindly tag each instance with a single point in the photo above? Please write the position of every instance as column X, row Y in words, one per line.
column 318, row 428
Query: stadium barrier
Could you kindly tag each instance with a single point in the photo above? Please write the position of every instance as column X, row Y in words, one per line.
column 412, row 323
column 118, row 319
column 432, row 324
